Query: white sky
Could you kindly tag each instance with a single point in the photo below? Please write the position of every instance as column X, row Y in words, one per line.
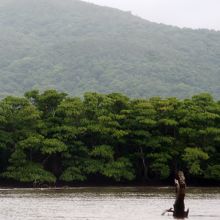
column 182, row 13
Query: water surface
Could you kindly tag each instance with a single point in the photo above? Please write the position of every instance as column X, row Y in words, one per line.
column 105, row 203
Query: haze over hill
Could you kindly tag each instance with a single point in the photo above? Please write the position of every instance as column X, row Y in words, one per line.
column 75, row 46
column 196, row 14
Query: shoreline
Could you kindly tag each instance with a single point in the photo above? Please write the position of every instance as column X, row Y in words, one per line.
column 2, row 188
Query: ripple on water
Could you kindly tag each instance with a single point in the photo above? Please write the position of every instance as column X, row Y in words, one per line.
column 117, row 203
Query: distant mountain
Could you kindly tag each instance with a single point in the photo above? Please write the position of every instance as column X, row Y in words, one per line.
column 75, row 46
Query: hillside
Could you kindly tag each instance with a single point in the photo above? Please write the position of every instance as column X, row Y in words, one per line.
column 75, row 47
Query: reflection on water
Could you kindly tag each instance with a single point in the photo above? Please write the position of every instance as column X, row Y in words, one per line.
column 121, row 203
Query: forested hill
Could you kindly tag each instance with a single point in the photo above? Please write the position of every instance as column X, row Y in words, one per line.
column 75, row 47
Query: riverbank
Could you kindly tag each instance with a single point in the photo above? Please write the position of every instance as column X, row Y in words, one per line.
column 150, row 184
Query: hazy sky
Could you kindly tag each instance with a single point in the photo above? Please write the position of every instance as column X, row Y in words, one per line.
column 182, row 13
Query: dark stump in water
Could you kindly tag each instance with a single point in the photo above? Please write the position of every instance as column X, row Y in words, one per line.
column 179, row 206
column 178, row 209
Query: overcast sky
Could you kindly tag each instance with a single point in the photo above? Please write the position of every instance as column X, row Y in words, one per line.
column 182, row 13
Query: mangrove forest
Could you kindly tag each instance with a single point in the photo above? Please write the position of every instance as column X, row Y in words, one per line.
column 51, row 137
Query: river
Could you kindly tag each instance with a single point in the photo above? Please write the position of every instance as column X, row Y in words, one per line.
column 105, row 203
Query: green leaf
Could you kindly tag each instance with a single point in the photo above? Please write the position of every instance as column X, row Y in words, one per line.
column 193, row 157
column 72, row 174
column 213, row 172
column 29, row 172
column 103, row 151
column 119, row 169
column 51, row 146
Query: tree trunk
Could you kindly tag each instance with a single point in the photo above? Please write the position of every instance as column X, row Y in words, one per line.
column 178, row 209
column 179, row 206
column 145, row 168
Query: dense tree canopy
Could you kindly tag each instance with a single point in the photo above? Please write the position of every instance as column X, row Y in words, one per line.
column 51, row 137
column 77, row 47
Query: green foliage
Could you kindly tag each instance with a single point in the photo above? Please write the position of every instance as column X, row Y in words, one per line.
column 45, row 137
column 193, row 157
column 23, row 170
column 32, row 142
column 51, row 146
column 213, row 172
column 161, row 169
column 92, row 166
column 29, row 172
column 82, row 47
column 104, row 151
column 120, row 169
column 72, row 174
column 160, row 164
column 167, row 122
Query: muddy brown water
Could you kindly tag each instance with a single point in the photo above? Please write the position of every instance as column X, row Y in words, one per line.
column 105, row 203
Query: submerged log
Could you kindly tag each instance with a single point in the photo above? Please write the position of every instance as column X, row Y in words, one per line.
column 178, row 209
